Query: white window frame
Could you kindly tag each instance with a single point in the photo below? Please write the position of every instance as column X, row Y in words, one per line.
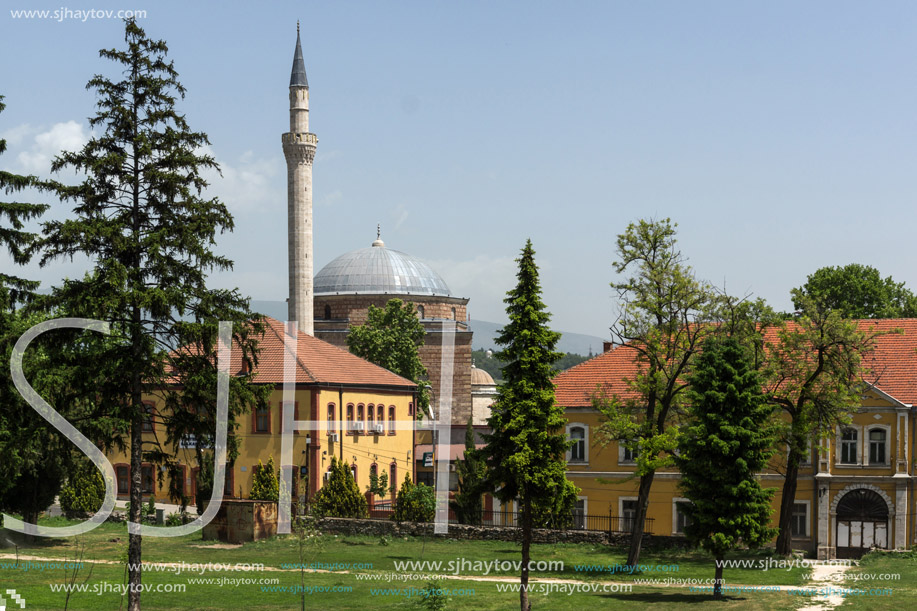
column 867, row 446
column 808, row 521
column 621, row 500
column 621, row 459
column 858, row 446
column 585, row 427
column 585, row 500
column 675, row 501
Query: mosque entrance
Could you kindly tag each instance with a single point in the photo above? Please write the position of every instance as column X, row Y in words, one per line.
column 862, row 523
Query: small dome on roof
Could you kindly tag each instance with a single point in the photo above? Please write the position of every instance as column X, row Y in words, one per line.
column 378, row 270
column 481, row 377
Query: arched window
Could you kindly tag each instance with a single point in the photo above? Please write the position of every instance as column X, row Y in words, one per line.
column 370, row 418
column 331, row 427
column 391, row 419
column 360, row 428
column 420, row 311
column 353, row 471
column 849, row 446
column 380, row 416
column 327, row 312
column 877, row 446
column 453, row 314
column 350, row 425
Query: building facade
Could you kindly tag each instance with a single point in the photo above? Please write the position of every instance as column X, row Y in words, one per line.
column 855, row 489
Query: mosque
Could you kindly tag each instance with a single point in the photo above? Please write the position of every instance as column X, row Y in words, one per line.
column 338, row 297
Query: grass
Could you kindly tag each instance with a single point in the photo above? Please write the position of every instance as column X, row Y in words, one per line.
column 873, row 584
column 108, row 543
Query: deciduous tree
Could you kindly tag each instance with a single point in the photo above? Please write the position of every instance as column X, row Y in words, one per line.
column 525, row 452
column 858, row 291
column 390, row 338
column 663, row 314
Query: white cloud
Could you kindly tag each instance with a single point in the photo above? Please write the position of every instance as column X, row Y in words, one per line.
column 248, row 184
column 483, row 279
column 43, row 146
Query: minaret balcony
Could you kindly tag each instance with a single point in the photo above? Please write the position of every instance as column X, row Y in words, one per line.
column 301, row 138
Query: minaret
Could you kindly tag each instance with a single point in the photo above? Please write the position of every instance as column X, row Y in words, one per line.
column 299, row 150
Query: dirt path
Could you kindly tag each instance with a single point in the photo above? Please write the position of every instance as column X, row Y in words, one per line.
column 829, row 577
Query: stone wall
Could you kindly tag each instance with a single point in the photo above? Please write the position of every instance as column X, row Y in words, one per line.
column 378, row 528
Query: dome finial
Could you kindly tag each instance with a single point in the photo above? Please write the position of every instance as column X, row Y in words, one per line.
column 378, row 241
column 297, row 27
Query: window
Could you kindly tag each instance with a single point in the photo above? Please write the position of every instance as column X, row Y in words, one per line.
column 360, row 428
column 148, row 426
column 849, row 446
column 577, row 434
column 331, row 427
column 579, row 513
column 799, row 524
column 350, row 424
column 380, row 415
column 453, row 314
column 420, row 311
column 370, row 418
column 146, row 479
column 263, row 420
column 681, row 516
column 123, row 475
column 227, row 482
column 410, row 409
column 877, row 447
column 327, row 312
column 373, row 470
column 353, row 471
column 391, row 419
column 628, row 514
column 627, row 455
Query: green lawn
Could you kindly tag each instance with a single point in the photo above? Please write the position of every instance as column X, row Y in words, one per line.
column 108, row 543
column 873, row 583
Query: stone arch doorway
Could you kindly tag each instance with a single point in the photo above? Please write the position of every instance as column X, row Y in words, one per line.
column 862, row 523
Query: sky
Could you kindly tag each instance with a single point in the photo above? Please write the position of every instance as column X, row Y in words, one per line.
column 780, row 136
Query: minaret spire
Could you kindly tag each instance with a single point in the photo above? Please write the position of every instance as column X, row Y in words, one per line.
column 299, row 151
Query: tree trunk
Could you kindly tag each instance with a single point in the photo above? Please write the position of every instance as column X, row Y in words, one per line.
column 636, row 539
column 133, row 540
column 526, row 554
column 784, row 544
column 718, row 579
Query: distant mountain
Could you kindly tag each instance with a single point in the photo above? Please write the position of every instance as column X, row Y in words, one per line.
column 577, row 343
column 484, row 332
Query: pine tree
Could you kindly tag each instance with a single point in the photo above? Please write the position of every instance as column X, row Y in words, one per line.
column 29, row 473
column 525, row 452
column 339, row 496
column 414, row 503
column 390, row 338
column 140, row 218
column 472, row 476
column 728, row 441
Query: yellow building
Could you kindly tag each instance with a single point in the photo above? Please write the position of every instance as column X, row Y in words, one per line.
column 359, row 412
column 855, row 491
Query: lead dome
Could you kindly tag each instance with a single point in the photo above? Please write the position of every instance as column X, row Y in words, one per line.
column 378, row 270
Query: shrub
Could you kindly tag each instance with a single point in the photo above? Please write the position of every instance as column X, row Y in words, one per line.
column 415, row 503
column 174, row 519
column 266, row 486
column 83, row 494
column 340, row 496
column 433, row 597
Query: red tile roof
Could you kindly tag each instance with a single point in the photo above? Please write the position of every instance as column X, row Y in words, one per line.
column 317, row 362
column 892, row 365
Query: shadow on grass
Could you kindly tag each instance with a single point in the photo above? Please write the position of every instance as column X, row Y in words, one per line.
column 670, row 597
